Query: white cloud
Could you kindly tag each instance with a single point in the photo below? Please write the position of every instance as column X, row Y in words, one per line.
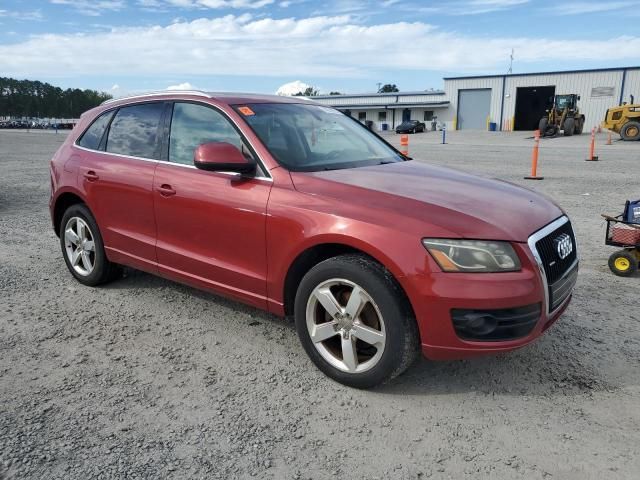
column 181, row 86
column 577, row 8
column 115, row 87
column 291, row 88
column 310, row 48
column 92, row 7
column 18, row 15
column 240, row 4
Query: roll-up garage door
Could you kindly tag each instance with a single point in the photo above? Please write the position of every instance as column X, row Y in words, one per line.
column 473, row 109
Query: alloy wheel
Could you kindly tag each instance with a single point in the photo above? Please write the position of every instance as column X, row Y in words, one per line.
column 345, row 325
column 80, row 246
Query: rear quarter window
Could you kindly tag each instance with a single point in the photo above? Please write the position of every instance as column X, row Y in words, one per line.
column 93, row 135
column 134, row 131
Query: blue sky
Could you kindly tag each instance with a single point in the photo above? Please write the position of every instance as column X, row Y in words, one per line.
column 124, row 46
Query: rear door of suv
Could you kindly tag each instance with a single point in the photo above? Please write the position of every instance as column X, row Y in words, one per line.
column 117, row 177
column 210, row 225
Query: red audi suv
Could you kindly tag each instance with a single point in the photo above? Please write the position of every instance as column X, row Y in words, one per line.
column 297, row 209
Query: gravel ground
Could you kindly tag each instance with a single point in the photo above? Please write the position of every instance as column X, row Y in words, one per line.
column 146, row 378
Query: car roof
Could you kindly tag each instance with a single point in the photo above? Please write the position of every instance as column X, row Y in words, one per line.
column 229, row 98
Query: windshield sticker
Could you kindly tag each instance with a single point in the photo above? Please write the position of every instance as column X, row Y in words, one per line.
column 246, row 111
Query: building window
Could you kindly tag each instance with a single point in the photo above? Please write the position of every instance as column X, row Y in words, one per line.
column 382, row 116
column 428, row 115
column 362, row 116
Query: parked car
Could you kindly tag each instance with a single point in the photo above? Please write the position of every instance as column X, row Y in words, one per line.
column 411, row 126
column 297, row 209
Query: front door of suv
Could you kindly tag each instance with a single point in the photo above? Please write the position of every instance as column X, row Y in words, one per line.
column 210, row 225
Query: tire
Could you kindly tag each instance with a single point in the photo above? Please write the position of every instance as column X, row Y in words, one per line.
column 413, row 131
column 630, row 131
column 91, row 266
column 580, row 126
column 623, row 263
column 384, row 316
column 542, row 125
column 569, row 127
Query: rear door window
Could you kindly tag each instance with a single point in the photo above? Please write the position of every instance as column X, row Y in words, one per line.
column 91, row 137
column 134, row 131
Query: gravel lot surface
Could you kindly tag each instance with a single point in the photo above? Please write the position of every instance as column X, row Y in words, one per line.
column 145, row 378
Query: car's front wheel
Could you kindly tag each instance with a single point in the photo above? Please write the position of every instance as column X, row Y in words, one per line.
column 354, row 321
column 83, row 248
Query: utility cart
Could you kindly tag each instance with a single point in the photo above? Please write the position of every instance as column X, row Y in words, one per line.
column 624, row 231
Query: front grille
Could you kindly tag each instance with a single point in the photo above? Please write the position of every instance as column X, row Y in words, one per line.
column 497, row 324
column 561, row 273
column 562, row 288
column 554, row 266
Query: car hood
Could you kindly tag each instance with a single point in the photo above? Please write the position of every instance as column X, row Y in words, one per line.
column 450, row 202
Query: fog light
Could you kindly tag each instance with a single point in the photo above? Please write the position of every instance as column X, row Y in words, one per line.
column 495, row 324
column 477, row 324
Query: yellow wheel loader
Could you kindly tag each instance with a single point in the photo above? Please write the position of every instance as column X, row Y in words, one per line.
column 624, row 120
column 563, row 115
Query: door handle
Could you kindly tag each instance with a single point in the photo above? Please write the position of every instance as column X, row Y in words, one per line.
column 166, row 190
column 91, row 176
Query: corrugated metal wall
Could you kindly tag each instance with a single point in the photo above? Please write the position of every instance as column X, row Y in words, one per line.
column 582, row 83
column 451, row 88
column 593, row 108
column 632, row 85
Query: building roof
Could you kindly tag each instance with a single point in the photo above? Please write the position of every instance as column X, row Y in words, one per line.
column 559, row 72
column 393, row 105
column 376, row 94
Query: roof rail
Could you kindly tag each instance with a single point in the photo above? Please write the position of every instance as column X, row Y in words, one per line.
column 157, row 93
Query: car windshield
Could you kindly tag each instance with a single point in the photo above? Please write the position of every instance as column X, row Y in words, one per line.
column 305, row 137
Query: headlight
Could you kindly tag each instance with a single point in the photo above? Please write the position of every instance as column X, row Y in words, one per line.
column 472, row 255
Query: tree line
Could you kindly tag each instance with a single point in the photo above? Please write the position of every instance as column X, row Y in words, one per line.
column 31, row 98
column 312, row 92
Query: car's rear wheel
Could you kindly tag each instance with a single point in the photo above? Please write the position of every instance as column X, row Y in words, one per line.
column 83, row 248
column 354, row 321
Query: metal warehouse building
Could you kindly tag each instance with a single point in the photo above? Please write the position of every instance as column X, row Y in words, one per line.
column 511, row 102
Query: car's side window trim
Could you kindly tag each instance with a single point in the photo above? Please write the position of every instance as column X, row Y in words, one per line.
column 102, row 146
column 112, row 111
column 165, row 148
column 165, row 123
column 166, row 131
column 158, row 142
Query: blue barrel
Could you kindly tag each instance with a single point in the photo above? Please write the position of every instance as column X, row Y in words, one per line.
column 493, row 126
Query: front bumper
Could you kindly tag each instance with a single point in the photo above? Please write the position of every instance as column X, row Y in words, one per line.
column 437, row 296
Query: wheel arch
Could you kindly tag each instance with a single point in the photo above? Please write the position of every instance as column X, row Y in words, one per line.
column 314, row 254
column 61, row 204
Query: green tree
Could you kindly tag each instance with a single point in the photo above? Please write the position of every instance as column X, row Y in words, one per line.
column 28, row 98
column 308, row 92
column 388, row 88
column 335, row 93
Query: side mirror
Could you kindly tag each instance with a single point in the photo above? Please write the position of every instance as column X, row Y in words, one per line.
column 221, row 157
